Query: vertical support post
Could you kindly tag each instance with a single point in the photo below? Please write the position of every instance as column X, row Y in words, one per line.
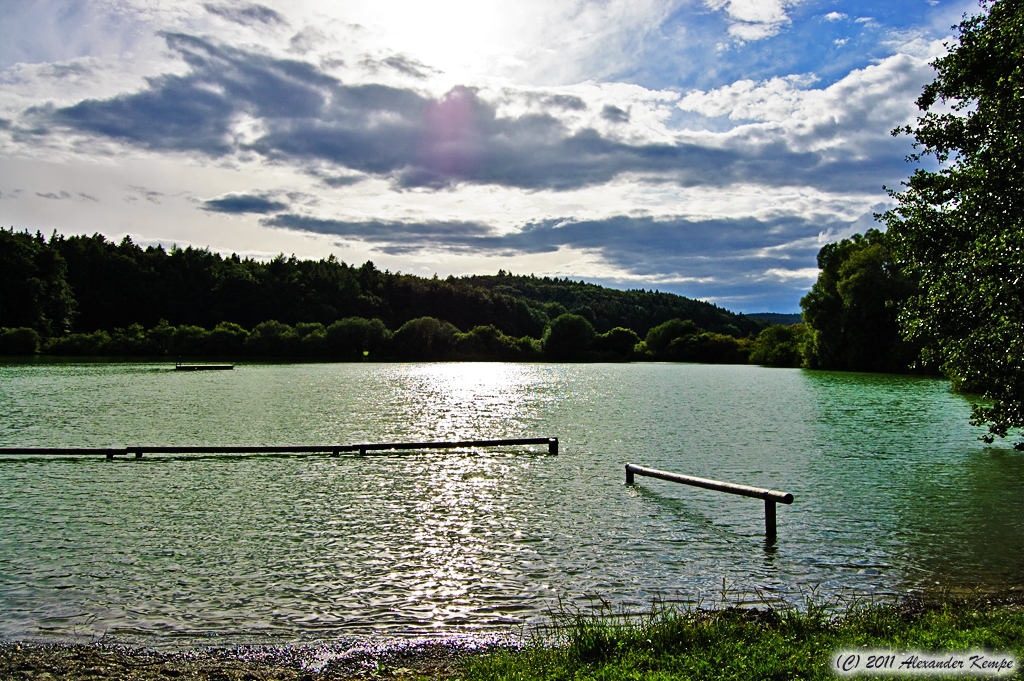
column 110, row 454
column 362, row 451
column 336, row 452
column 769, row 518
column 138, row 452
column 553, row 445
column 629, row 475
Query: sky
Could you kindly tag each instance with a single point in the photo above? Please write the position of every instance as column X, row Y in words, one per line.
column 703, row 147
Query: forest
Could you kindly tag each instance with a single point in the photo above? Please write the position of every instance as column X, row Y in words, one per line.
column 86, row 295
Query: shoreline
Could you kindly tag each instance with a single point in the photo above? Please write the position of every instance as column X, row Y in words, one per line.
column 441, row 659
column 65, row 661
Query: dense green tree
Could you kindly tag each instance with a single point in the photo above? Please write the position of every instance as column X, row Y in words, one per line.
column 355, row 337
column 424, row 338
column 708, row 348
column 779, row 346
column 273, row 339
column 962, row 225
column 661, row 336
column 19, row 341
column 850, row 311
column 568, row 338
column 34, row 292
column 618, row 342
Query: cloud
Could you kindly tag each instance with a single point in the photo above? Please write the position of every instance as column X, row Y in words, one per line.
column 614, row 114
column 754, row 19
column 149, row 194
column 246, row 15
column 716, row 250
column 400, row 63
column 65, row 196
column 835, row 16
column 243, row 203
column 847, row 120
column 309, row 118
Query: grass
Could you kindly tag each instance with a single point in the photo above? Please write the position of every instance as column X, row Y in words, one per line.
column 739, row 643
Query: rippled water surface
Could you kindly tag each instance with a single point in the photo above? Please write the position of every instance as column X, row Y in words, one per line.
column 893, row 491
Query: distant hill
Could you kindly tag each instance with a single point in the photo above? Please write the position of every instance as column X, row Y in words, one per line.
column 777, row 317
column 87, row 283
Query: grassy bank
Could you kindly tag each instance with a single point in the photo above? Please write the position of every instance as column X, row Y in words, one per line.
column 722, row 643
column 733, row 643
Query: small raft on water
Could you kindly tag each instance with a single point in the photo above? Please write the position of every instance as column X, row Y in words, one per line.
column 178, row 366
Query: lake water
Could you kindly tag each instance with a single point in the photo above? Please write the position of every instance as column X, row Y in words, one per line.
column 893, row 492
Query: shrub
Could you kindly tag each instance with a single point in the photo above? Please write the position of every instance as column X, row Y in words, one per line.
column 778, row 346
column 272, row 339
column 95, row 343
column 568, row 337
column 19, row 341
column 619, row 342
column 424, row 338
column 661, row 336
column 352, row 337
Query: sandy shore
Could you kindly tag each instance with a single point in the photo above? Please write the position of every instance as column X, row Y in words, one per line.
column 64, row 662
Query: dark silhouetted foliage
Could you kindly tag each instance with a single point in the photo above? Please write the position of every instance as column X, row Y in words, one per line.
column 779, row 346
column 618, row 342
column 660, row 337
column 850, row 312
column 34, row 292
column 19, row 341
column 569, row 337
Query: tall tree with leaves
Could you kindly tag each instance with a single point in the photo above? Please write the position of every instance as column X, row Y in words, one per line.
column 962, row 226
column 850, row 312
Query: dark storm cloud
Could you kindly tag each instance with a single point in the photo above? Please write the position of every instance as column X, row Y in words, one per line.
column 645, row 247
column 243, row 203
column 311, row 118
column 246, row 15
column 614, row 114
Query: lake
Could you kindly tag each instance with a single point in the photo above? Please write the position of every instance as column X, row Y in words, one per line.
column 893, row 493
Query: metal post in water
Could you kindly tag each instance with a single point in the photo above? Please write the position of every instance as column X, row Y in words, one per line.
column 553, row 445
column 770, row 496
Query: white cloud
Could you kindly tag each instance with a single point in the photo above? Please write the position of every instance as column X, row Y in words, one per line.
column 754, row 19
column 809, row 274
column 857, row 110
column 835, row 16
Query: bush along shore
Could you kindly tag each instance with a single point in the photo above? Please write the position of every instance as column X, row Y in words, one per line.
column 663, row 643
column 568, row 337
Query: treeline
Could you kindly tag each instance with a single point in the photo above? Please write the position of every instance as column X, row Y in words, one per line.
column 568, row 337
column 85, row 295
column 81, row 284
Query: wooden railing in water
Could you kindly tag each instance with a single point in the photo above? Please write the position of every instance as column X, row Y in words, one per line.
column 333, row 450
column 770, row 496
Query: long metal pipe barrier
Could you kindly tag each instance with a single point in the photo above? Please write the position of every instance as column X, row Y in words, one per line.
column 333, row 450
column 770, row 496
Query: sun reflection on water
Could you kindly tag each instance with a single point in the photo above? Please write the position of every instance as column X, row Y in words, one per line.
column 464, row 401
